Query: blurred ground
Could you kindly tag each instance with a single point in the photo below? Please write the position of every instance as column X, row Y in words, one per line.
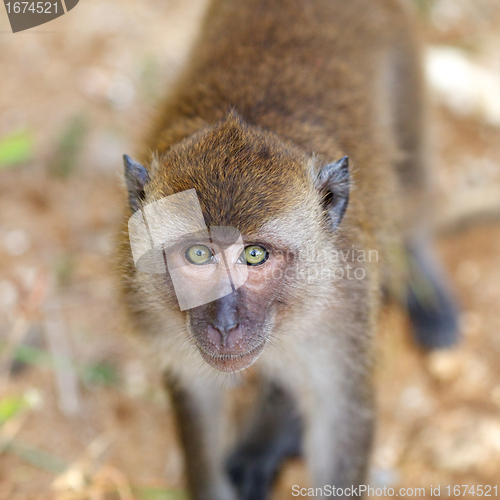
column 81, row 416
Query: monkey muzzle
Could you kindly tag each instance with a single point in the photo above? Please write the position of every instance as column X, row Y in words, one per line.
column 224, row 335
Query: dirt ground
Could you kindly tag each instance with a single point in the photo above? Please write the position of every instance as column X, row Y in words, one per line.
column 82, row 415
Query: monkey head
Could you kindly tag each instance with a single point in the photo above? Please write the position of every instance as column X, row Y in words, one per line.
column 220, row 224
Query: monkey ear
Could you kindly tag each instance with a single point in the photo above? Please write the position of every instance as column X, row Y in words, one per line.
column 136, row 177
column 333, row 181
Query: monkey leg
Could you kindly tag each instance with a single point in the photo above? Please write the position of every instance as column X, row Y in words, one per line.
column 273, row 435
column 199, row 410
column 339, row 431
column 431, row 305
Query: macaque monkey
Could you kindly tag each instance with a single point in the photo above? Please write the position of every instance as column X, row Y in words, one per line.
column 290, row 156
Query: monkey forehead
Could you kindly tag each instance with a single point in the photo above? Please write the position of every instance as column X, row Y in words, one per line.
column 243, row 176
column 293, row 230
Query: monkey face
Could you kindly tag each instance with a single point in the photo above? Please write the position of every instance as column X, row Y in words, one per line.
column 226, row 212
column 231, row 332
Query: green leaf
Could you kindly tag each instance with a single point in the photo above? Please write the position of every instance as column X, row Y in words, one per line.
column 33, row 356
column 147, row 493
column 10, row 407
column 99, row 374
column 15, row 149
column 69, row 147
column 39, row 458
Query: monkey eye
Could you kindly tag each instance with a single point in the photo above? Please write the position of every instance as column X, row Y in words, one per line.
column 254, row 255
column 199, row 255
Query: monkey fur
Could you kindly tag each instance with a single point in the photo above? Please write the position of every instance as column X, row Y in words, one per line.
column 301, row 123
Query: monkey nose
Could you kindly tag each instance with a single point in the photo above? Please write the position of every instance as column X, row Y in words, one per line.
column 225, row 327
column 220, row 335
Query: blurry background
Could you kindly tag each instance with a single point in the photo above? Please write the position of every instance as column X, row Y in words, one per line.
column 81, row 414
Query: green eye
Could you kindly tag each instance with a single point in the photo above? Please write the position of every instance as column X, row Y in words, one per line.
column 199, row 254
column 255, row 255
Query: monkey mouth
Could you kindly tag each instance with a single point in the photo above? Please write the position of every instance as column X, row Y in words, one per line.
column 231, row 363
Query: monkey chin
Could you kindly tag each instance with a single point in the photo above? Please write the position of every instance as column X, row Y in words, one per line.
column 232, row 363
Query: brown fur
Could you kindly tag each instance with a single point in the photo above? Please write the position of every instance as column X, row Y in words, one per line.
column 273, row 91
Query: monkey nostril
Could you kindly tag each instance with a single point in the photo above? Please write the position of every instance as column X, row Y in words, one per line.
column 223, row 331
column 225, row 328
